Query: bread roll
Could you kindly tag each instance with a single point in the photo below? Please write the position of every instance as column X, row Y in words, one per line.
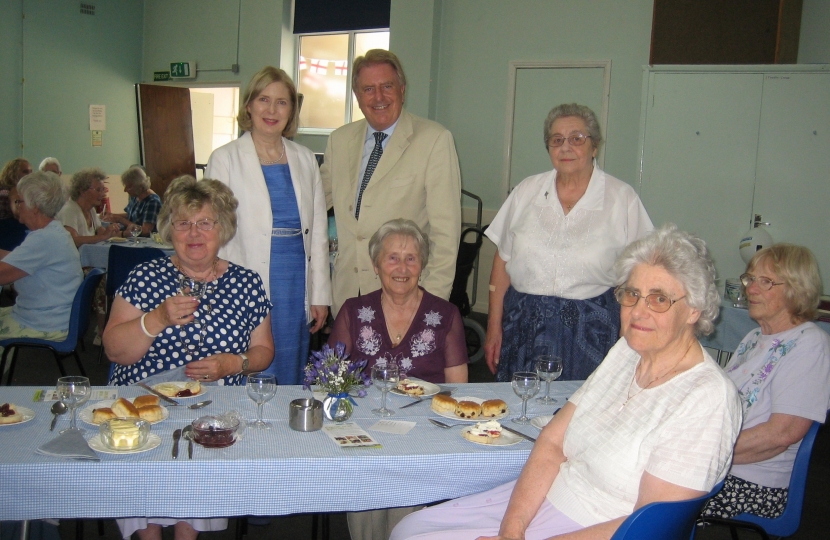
column 493, row 408
column 151, row 413
column 143, row 401
column 443, row 404
column 9, row 414
column 99, row 416
column 468, row 409
column 124, row 409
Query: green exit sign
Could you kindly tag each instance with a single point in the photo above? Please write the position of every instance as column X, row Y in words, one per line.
column 183, row 70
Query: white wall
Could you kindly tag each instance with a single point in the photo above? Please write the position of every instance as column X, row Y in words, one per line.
column 814, row 42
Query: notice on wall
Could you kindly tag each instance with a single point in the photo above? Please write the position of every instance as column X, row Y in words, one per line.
column 98, row 117
column 97, row 137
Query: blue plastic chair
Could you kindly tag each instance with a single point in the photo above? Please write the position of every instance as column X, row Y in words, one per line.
column 120, row 262
column 664, row 520
column 788, row 522
column 78, row 324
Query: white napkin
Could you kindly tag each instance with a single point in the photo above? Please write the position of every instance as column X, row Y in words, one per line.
column 69, row 444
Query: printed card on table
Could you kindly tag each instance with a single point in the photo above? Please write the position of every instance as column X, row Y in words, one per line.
column 350, row 435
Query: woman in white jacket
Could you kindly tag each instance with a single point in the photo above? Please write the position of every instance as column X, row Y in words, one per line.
column 282, row 232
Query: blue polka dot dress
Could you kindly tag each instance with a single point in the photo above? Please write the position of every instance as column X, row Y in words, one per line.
column 233, row 306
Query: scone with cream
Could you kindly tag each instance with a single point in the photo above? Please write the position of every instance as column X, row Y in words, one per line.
column 483, row 432
column 9, row 414
column 411, row 387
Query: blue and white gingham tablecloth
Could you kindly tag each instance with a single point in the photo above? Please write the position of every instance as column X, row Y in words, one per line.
column 274, row 472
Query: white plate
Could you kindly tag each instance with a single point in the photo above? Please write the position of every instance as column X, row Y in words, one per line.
column 98, row 445
column 429, row 389
column 117, row 240
column 541, row 421
column 86, row 414
column 452, row 416
column 202, row 391
column 506, row 438
column 27, row 415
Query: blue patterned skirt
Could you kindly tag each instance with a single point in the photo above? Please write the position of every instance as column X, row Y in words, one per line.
column 581, row 332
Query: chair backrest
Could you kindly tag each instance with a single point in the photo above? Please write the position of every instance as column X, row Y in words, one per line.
column 12, row 233
column 121, row 261
column 467, row 254
column 664, row 520
column 81, row 308
column 787, row 523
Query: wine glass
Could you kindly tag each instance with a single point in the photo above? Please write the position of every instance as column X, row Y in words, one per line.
column 135, row 232
column 73, row 391
column 385, row 377
column 261, row 388
column 526, row 385
column 549, row 368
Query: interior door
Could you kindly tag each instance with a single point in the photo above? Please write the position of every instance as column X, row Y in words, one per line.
column 165, row 131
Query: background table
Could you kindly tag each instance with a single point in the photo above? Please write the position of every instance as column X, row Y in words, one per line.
column 274, row 472
column 97, row 254
column 732, row 326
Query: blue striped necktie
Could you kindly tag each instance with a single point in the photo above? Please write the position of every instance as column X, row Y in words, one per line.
column 374, row 157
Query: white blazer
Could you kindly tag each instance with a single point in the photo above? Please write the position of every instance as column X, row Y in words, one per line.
column 237, row 165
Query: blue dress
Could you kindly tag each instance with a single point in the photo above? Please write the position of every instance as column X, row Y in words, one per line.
column 287, row 276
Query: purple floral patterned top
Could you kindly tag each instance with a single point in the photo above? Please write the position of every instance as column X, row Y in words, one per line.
column 434, row 341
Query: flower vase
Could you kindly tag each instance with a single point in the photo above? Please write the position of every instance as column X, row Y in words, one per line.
column 338, row 407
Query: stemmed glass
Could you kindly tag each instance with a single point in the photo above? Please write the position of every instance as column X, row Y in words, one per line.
column 195, row 288
column 526, row 385
column 385, row 377
column 135, row 232
column 549, row 368
column 261, row 388
column 73, row 391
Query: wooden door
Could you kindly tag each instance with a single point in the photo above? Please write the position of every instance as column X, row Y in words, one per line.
column 165, row 130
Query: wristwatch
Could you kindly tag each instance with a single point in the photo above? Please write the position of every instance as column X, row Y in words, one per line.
column 245, row 362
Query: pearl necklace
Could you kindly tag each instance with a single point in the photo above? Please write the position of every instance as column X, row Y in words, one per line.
column 263, row 162
column 634, row 377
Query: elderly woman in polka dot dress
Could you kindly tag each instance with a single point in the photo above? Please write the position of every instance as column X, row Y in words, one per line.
column 156, row 326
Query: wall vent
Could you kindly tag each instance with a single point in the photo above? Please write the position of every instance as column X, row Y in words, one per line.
column 87, row 9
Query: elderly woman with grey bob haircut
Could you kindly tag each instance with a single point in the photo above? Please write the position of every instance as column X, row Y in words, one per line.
column 78, row 215
column 558, row 234
column 45, row 268
column 143, row 205
column 153, row 316
column 782, row 371
column 656, row 421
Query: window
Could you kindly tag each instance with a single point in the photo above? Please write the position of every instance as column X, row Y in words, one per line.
column 324, row 77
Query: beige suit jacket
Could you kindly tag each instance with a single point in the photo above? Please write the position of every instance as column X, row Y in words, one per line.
column 417, row 178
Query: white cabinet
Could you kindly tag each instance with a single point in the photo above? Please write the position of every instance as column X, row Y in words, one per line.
column 719, row 145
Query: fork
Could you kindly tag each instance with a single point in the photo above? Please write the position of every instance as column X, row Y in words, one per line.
column 446, row 426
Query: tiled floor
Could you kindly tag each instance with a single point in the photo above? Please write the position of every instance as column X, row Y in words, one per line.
column 38, row 367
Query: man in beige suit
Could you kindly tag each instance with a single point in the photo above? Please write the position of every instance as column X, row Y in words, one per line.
column 416, row 176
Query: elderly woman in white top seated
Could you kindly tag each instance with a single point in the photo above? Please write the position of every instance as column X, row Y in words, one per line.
column 78, row 215
column 655, row 422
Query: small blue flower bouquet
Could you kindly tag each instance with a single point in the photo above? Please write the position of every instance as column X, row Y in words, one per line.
column 334, row 373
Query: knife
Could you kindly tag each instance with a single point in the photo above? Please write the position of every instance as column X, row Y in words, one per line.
column 159, row 394
column 176, row 436
column 519, row 433
column 419, row 400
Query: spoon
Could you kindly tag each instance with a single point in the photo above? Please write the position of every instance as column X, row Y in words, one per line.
column 58, row 408
column 200, row 404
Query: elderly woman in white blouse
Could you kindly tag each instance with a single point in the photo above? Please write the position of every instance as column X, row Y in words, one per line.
column 656, row 421
column 558, row 234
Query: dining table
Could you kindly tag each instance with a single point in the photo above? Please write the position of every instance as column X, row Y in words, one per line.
column 266, row 472
column 97, row 254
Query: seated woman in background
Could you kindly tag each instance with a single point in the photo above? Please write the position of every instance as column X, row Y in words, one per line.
column 45, row 268
column 400, row 322
column 143, row 206
column 782, row 371
column 656, row 421
column 78, row 215
column 151, row 318
column 11, row 174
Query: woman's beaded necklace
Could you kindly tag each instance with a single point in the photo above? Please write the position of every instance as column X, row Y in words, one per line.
column 264, row 162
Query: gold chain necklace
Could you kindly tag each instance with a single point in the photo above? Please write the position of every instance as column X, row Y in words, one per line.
column 399, row 336
column 634, row 377
column 263, row 162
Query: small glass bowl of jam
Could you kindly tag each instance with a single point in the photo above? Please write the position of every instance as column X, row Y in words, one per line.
column 216, row 431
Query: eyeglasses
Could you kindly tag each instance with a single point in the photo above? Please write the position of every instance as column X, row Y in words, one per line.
column 202, row 224
column 17, row 201
column 657, row 302
column 573, row 140
column 763, row 283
